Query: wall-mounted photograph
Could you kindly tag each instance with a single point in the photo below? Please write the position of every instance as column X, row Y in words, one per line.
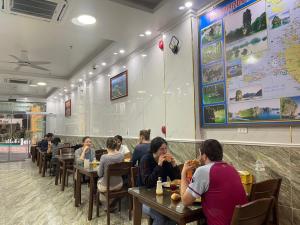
column 119, row 86
column 68, row 108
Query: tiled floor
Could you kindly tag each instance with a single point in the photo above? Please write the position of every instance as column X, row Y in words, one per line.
column 26, row 198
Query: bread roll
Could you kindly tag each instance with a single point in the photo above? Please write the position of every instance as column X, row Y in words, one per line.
column 175, row 197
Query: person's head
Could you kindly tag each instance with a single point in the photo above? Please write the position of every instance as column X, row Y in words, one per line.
column 119, row 140
column 144, row 135
column 46, row 137
column 50, row 136
column 111, row 143
column 158, row 146
column 211, row 151
column 56, row 140
column 87, row 141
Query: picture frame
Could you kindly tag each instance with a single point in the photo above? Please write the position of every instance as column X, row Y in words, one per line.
column 68, row 108
column 119, row 86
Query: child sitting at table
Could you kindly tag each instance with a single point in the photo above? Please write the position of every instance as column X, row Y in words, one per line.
column 116, row 183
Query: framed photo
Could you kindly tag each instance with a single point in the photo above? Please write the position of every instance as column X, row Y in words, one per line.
column 68, row 108
column 119, row 86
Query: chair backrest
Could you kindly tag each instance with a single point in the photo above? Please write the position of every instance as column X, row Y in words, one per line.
column 134, row 176
column 265, row 189
column 99, row 153
column 118, row 169
column 63, row 151
column 180, row 166
column 253, row 213
column 67, row 145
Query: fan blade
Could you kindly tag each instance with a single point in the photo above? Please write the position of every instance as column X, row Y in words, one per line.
column 39, row 62
column 18, row 68
column 9, row 62
column 15, row 57
column 38, row 67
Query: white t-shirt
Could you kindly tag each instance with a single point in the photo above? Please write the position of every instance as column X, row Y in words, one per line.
column 124, row 149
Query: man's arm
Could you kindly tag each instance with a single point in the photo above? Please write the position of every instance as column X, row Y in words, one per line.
column 186, row 197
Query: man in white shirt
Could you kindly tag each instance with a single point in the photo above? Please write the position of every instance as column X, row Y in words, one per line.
column 122, row 148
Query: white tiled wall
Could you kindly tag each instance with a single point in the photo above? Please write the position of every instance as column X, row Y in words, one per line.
column 148, row 105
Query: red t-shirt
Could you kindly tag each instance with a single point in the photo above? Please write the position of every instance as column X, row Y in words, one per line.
column 220, row 187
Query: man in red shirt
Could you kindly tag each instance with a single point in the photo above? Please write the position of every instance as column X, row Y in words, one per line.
column 217, row 183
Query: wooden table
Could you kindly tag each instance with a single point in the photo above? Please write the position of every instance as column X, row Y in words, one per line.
column 65, row 160
column 92, row 174
column 164, row 205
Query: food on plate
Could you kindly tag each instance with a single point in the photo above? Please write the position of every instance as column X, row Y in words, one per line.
column 175, row 196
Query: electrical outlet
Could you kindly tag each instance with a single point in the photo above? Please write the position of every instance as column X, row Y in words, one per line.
column 242, row 130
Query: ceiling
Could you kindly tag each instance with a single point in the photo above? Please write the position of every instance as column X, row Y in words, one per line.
column 69, row 48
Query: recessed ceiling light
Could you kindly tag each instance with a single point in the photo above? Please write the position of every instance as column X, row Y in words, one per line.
column 103, row 64
column 124, row 67
column 60, row 94
column 188, row 4
column 144, row 55
column 122, row 51
column 80, row 80
column 115, row 53
column 90, row 73
column 65, row 90
column 142, row 35
column 55, row 97
column 72, row 85
column 42, row 83
column 108, row 75
column 32, row 85
column 148, row 32
column 181, row 7
column 84, row 20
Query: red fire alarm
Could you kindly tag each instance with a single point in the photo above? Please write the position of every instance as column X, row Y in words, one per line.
column 164, row 130
column 161, row 45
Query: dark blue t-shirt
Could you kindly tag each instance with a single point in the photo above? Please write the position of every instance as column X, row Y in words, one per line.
column 139, row 151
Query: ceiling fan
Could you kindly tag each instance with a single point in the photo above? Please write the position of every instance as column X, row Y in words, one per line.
column 23, row 61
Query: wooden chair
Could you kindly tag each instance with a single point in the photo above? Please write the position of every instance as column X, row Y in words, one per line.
column 253, row 213
column 267, row 189
column 63, row 151
column 70, row 168
column 117, row 169
column 67, row 145
column 99, row 153
column 134, row 176
column 180, row 166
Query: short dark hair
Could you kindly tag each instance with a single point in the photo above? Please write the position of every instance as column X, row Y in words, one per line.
column 119, row 137
column 212, row 149
column 56, row 140
column 156, row 143
column 145, row 134
column 50, row 135
column 111, row 143
column 83, row 139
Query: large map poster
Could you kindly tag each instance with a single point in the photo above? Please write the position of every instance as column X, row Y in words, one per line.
column 250, row 62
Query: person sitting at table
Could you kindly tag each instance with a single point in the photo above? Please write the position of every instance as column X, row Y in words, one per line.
column 46, row 143
column 56, row 144
column 41, row 141
column 217, row 183
column 158, row 162
column 85, row 152
column 116, row 183
column 142, row 148
column 122, row 148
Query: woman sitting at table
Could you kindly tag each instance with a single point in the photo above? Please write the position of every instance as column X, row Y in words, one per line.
column 142, row 148
column 158, row 163
column 112, row 156
column 85, row 152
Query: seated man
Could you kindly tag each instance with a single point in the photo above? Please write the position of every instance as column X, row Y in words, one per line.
column 217, row 183
column 157, row 163
column 122, row 148
column 46, row 143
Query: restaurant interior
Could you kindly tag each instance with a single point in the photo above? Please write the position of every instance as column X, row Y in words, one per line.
column 150, row 112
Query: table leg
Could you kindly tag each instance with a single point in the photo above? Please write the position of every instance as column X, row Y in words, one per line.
column 78, row 189
column 91, row 198
column 44, row 167
column 137, row 211
column 57, row 172
column 40, row 163
column 64, row 176
column 37, row 158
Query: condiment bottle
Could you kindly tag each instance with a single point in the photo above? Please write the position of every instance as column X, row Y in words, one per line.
column 159, row 188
